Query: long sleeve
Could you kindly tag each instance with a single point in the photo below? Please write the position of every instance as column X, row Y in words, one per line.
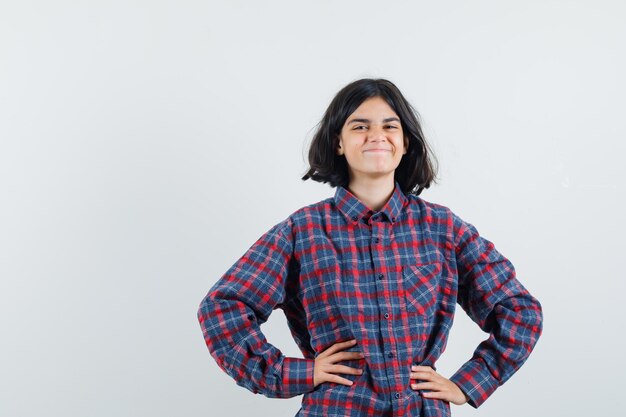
column 493, row 298
column 233, row 310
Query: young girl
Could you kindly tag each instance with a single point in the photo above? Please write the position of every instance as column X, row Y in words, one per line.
column 369, row 280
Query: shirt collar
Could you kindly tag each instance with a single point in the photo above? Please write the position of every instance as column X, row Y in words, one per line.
column 355, row 211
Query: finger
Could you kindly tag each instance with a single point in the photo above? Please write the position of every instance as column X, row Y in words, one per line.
column 343, row 369
column 337, row 347
column 343, row 356
column 420, row 368
column 337, row 379
column 438, row 395
column 427, row 385
column 426, row 376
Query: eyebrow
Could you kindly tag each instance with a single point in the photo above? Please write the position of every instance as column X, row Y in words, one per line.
column 387, row 120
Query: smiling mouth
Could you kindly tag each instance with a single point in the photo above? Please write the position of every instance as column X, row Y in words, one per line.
column 377, row 150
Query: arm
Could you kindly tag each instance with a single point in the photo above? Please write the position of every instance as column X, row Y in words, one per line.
column 493, row 298
column 233, row 310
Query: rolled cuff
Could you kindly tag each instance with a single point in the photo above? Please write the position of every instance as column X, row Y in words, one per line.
column 297, row 376
column 475, row 380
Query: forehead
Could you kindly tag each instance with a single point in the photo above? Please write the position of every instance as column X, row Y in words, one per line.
column 373, row 110
column 374, row 106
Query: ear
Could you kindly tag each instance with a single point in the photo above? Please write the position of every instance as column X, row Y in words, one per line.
column 339, row 147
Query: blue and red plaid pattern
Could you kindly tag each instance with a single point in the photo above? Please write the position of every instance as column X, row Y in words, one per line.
column 389, row 279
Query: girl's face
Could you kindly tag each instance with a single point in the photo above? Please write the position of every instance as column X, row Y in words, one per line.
column 372, row 140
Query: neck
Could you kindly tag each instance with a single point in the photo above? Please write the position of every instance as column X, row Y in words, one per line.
column 373, row 192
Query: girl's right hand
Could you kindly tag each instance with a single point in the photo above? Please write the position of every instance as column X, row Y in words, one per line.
column 325, row 368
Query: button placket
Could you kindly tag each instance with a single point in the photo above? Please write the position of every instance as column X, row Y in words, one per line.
column 385, row 287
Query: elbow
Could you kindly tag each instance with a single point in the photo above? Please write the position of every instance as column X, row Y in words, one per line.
column 208, row 313
column 203, row 310
column 532, row 321
column 534, row 313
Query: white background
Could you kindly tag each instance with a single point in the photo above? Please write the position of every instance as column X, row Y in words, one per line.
column 145, row 145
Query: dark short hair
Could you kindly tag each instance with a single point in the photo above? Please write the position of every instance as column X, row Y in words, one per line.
column 417, row 167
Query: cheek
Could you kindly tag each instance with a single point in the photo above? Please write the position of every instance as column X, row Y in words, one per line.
column 400, row 146
column 404, row 144
column 351, row 157
column 351, row 147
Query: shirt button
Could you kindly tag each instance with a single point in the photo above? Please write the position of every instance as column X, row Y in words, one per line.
column 354, row 218
column 381, row 276
column 386, row 315
column 376, row 240
column 397, row 395
column 390, row 355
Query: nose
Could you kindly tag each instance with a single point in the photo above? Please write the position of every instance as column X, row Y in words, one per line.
column 377, row 134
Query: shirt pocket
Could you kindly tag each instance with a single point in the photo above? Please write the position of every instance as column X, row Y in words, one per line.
column 421, row 287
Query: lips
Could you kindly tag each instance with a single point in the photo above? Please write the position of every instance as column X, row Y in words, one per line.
column 377, row 150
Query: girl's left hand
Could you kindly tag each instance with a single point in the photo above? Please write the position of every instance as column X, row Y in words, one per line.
column 439, row 387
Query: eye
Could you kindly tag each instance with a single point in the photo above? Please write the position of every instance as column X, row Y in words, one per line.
column 359, row 127
column 391, row 127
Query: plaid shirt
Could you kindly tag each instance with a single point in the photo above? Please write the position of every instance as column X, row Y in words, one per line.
column 389, row 279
